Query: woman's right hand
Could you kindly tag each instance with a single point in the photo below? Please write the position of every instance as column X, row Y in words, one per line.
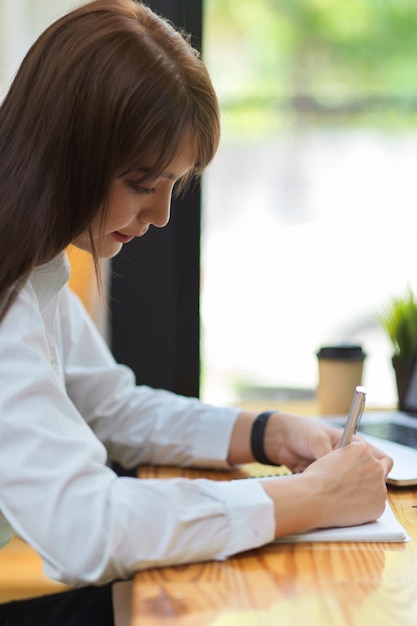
column 342, row 488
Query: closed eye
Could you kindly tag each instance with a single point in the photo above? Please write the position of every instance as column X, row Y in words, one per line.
column 141, row 191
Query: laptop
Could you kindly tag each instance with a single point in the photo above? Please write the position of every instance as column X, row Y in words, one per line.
column 394, row 432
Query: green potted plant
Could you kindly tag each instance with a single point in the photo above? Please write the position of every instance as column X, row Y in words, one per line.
column 399, row 319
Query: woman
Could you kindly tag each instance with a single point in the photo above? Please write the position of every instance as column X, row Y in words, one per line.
column 110, row 110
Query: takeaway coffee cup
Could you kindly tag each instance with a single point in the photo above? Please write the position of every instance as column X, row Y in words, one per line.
column 340, row 371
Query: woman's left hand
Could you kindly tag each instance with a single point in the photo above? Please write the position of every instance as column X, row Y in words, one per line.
column 289, row 440
column 297, row 441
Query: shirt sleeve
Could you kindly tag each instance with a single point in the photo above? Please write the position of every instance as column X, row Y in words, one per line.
column 137, row 424
column 56, row 489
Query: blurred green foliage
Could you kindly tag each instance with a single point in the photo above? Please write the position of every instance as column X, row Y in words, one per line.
column 400, row 322
column 328, row 60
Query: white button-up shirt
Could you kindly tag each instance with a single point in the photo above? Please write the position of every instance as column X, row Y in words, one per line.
column 66, row 408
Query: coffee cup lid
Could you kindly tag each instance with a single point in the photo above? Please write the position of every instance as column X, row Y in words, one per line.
column 345, row 352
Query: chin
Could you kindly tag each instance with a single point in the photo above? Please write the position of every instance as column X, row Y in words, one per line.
column 108, row 252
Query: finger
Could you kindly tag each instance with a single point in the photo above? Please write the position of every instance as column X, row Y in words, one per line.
column 387, row 464
column 326, row 440
column 321, row 446
column 378, row 453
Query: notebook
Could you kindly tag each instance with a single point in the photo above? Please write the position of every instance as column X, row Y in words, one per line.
column 386, row 529
column 395, row 432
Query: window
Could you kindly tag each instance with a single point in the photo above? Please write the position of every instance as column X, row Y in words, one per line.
column 310, row 213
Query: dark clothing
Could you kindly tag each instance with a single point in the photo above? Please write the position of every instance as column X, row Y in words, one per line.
column 87, row 606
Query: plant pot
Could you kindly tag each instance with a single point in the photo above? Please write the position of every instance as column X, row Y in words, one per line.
column 403, row 368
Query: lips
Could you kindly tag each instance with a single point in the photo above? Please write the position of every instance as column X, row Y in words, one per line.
column 123, row 238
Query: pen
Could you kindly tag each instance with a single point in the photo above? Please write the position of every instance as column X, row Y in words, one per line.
column 355, row 414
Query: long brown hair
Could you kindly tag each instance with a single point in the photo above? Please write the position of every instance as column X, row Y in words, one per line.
column 105, row 88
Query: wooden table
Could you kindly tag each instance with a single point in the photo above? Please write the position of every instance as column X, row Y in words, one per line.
column 337, row 584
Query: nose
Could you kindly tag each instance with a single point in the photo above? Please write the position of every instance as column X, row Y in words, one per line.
column 158, row 211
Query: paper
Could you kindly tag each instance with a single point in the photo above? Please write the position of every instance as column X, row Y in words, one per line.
column 386, row 529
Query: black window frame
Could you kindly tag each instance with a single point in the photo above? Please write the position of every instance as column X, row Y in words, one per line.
column 155, row 280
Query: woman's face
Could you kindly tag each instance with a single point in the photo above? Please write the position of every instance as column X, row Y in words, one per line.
column 134, row 206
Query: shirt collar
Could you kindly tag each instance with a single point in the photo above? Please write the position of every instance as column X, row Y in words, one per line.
column 47, row 280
